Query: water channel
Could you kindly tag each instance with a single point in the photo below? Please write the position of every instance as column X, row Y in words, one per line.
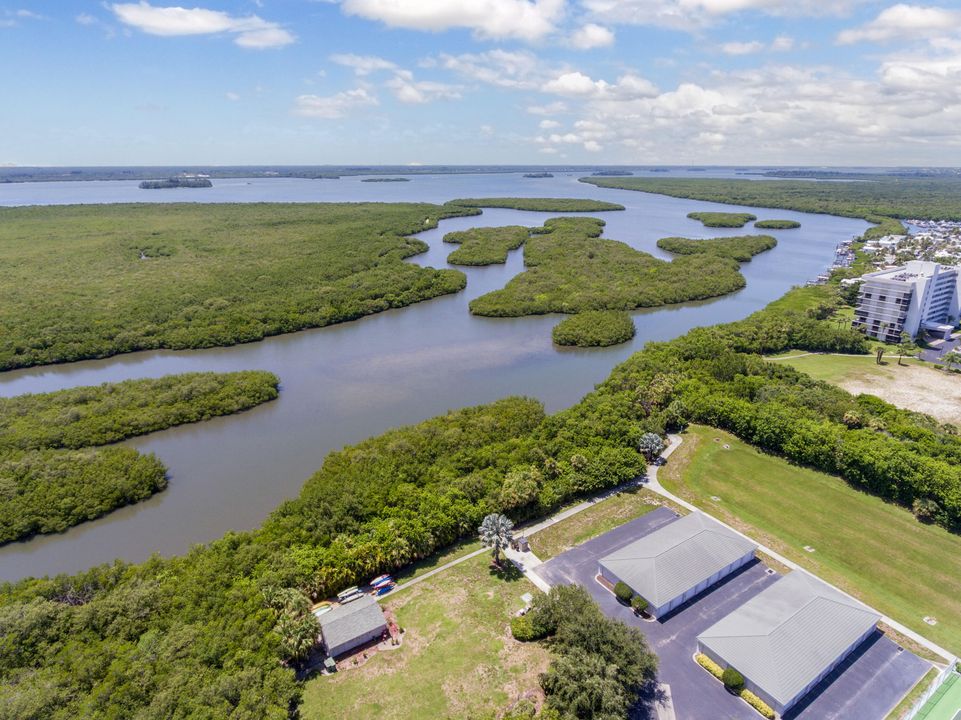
column 347, row 382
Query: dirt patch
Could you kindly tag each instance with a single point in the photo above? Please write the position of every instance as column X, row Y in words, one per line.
column 914, row 387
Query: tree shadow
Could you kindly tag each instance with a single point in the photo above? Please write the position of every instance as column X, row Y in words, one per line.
column 505, row 570
column 647, row 701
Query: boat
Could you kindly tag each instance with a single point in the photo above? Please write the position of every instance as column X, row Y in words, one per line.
column 321, row 608
column 382, row 583
column 379, row 579
column 384, row 589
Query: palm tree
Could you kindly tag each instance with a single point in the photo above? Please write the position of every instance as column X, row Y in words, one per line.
column 952, row 358
column 905, row 347
column 496, row 532
column 650, row 445
column 297, row 635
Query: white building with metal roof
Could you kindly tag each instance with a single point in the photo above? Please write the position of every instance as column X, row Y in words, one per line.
column 351, row 625
column 676, row 562
column 789, row 637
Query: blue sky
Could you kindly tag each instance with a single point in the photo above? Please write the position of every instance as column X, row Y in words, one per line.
column 480, row 81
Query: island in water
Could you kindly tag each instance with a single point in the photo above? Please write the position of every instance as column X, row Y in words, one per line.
column 177, row 182
column 379, row 179
column 538, row 175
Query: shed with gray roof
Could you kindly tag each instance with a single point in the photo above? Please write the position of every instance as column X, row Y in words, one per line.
column 352, row 625
column 789, row 637
column 676, row 562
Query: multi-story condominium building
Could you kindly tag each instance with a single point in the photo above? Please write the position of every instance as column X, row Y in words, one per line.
column 917, row 297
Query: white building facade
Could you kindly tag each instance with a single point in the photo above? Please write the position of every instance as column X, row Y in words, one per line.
column 917, row 297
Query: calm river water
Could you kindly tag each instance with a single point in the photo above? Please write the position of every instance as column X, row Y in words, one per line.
column 344, row 383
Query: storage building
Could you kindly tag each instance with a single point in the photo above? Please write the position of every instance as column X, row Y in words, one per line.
column 789, row 637
column 352, row 625
column 676, row 562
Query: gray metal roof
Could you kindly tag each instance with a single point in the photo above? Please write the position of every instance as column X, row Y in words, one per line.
column 353, row 620
column 787, row 635
column 670, row 561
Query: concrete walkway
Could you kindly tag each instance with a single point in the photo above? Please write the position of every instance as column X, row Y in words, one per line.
column 442, row 568
column 655, row 486
column 524, row 562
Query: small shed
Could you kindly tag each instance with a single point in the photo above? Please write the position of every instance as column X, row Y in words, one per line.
column 676, row 562
column 352, row 625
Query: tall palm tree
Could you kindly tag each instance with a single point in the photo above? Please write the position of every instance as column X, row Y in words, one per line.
column 496, row 532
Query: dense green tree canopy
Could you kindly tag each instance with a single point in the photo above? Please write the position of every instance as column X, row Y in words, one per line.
column 722, row 219
column 741, row 248
column 570, row 269
column 485, row 245
column 51, row 476
column 594, row 328
column 81, row 282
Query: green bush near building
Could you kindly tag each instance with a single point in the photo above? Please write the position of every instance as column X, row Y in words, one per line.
column 732, row 679
column 623, row 592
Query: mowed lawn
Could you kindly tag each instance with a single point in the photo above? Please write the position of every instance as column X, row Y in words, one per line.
column 838, row 368
column 457, row 659
column 910, row 385
column 874, row 550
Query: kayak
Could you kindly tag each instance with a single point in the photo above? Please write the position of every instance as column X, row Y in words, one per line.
column 379, row 580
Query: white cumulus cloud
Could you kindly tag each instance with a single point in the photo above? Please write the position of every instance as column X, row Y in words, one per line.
column 249, row 31
column 742, row 48
column 591, row 36
column 363, row 64
column 576, row 84
column 335, row 106
column 417, row 92
column 691, row 15
column 519, row 19
column 905, row 22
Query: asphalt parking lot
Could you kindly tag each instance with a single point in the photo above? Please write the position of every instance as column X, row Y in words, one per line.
column 866, row 687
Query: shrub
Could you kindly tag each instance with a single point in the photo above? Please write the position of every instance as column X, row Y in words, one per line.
column 639, row 604
column 525, row 629
column 712, row 667
column 732, row 679
column 758, row 704
column 623, row 592
column 925, row 509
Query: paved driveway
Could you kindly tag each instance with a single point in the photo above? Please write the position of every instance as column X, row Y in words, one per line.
column 867, row 686
column 870, row 682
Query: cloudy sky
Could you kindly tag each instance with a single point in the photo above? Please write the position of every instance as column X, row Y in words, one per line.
column 831, row 82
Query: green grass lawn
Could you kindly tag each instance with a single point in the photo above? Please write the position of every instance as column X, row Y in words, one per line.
column 874, row 550
column 597, row 520
column 457, row 658
column 839, row 368
column 422, row 567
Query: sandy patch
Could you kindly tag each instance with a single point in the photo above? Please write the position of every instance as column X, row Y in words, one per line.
column 914, row 387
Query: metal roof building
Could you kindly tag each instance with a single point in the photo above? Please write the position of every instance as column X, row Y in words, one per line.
column 676, row 562
column 788, row 637
column 349, row 626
